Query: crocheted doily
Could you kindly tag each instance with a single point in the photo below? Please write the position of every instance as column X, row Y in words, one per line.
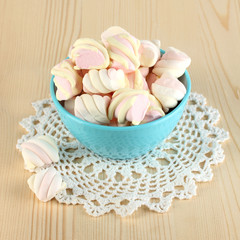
column 170, row 170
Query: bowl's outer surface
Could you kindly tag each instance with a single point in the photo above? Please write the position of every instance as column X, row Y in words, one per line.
column 122, row 142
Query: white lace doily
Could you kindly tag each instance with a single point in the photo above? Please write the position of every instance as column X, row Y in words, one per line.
column 170, row 170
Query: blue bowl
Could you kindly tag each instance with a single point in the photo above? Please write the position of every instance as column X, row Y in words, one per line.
column 122, row 142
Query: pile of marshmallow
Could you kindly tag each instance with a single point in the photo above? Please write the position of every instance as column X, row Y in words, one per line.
column 120, row 80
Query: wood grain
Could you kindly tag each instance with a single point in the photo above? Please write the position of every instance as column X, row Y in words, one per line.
column 35, row 35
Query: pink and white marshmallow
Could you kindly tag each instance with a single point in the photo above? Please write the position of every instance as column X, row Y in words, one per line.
column 88, row 53
column 123, row 49
column 112, row 31
column 149, row 53
column 168, row 90
column 46, row 184
column 39, row 151
column 129, row 105
column 67, row 80
column 173, row 61
column 92, row 108
column 103, row 81
column 154, row 111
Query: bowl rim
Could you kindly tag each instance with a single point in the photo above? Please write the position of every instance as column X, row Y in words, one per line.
column 125, row 128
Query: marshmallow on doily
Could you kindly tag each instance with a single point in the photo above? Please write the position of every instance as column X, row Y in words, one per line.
column 39, row 151
column 46, row 184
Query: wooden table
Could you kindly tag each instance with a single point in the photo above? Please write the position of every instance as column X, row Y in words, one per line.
column 35, row 35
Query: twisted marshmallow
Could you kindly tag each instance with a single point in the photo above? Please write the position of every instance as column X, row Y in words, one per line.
column 67, row 80
column 123, row 50
column 168, row 90
column 46, row 184
column 149, row 53
column 112, row 31
column 129, row 105
column 39, row 151
column 92, row 108
column 154, row 111
column 173, row 61
column 103, row 81
column 87, row 53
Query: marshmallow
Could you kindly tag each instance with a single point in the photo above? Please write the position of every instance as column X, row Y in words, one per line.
column 157, row 43
column 129, row 105
column 67, row 80
column 168, row 90
column 154, row 111
column 123, row 51
column 87, row 53
column 39, row 151
column 103, row 81
column 172, row 61
column 46, row 184
column 112, row 31
column 149, row 53
column 92, row 108
column 136, row 80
